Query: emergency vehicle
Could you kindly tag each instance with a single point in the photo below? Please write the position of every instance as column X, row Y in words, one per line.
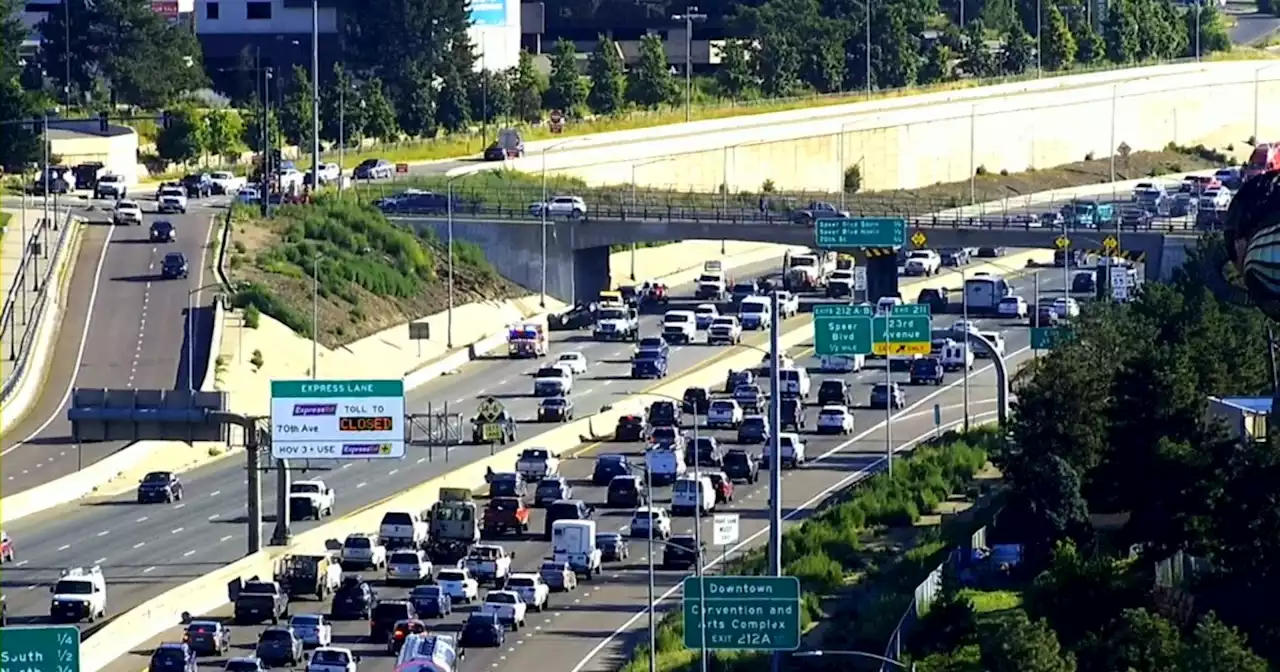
column 527, row 340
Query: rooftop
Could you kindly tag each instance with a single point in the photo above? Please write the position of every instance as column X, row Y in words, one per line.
column 1249, row 404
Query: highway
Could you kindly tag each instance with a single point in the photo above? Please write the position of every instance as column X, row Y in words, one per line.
column 123, row 327
column 147, row 549
column 581, row 625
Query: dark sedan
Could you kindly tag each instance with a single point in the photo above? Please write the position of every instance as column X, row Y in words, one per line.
column 613, row 546
column 431, row 601
column 555, row 409
column 159, row 487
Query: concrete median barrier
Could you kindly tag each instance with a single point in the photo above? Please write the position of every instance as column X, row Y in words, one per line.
column 210, row 592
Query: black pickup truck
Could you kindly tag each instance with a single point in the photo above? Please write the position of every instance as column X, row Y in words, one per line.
column 257, row 601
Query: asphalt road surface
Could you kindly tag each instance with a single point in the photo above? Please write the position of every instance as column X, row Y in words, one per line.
column 593, row 627
column 123, row 327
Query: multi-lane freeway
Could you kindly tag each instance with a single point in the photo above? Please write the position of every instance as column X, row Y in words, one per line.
column 123, row 326
column 588, row 629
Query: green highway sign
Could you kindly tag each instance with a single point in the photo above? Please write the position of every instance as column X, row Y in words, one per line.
column 1048, row 338
column 760, row 613
column 40, row 649
column 857, row 330
column 845, row 232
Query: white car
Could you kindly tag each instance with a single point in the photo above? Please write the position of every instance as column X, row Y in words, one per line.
column 313, row 629
column 1215, row 199
column 835, row 420
column 332, row 659
column 923, row 262
column 127, row 212
column 226, row 183
column 842, row 363
column 650, row 520
column 576, row 362
column 1013, row 306
column 329, row 172
column 291, row 179
column 172, row 199
column 408, row 567
column 572, row 207
column 248, row 195
column 788, row 304
column 533, row 590
column 1066, row 307
column 458, row 584
column 724, row 414
column 363, row 550
column 507, row 606
column 704, row 314
column 724, row 329
column 964, row 327
column 794, row 450
column 111, row 186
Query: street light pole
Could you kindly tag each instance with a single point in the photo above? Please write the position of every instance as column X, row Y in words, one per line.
column 775, row 454
column 315, row 313
column 315, row 96
column 690, row 15
column 542, row 212
column 858, row 654
column 449, row 209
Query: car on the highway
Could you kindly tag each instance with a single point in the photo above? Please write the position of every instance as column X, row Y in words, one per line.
column 835, row 419
column 198, row 185
column 629, row 428
column 1084, row 282
column 990, row 252
column 695, row 400
column 751, row 397
column 739, row 465
column 459, row 584
column 507, row 605
column 173, row 266
column 834, row 392
column 922, row 263
column 431, row 601
column 754, row 429
column 159, row 487
column 816, row 210
column 649, row 364
column 626, row 491
column 171, row 199
column 401, row 631
column 332, row 659
column 927, row 371
column 408, row 566
column 576, row 362
column 127, row 213
column 244, row 664
column 682, row 552
column 954, row 257
column 1044, row 316
column 374, row 169
column 609, row 466
column 163, row 231
column 1215, row 199
column 207, row 638
column 279, row 645
column 705, row 451
column 555, row 409
column 1012, row 306
column 1230, row 178
column 551, row 490
column 483, row 631
column 572, row 207
column 721, row 484
column 1066, row 307
column 508, row 145
column 224, row 182
column 171, row 657
column 613, row 547
column 558, row 576
column 531, row 588
column 313, row 629
column 1136, row 218
column 795, row 452
column 1183, row 204
column 353, row 600
column 704, row 314
column 890, row 394
column 649, row 521
column 385, row 616
column 110, row 186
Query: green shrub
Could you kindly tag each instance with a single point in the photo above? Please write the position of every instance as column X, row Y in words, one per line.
column 255, row 298
column 252, row 316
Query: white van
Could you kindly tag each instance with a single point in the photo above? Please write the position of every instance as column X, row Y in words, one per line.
column 842, row 363
column 665, row 465
column 793, row 450
column 679, row 326
column 953, row 356
column 693, row 493
column 756, row 312
column 996, row 340
column 573, row 543
column 794, row 382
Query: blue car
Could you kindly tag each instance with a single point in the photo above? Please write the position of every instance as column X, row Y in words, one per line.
column 649, row 364
column 431, row 601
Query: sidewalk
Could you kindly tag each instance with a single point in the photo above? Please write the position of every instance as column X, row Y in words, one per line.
column 20, row 303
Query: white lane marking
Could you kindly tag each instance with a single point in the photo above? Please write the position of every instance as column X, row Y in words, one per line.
column 189, row 554
column 149, row 569
column 178, row 506
column 140, row 544
column 176, row 530
column 586, row 660
column 361, row 484
column 104, row 533
column 20, row 563
column 393, row 472
column 99, row 561
column 84, row 338
column 224, row 539
column 215, row 493
column 64, row 547
column 214, row 516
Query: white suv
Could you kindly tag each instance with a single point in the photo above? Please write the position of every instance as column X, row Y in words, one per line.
column 572, row 207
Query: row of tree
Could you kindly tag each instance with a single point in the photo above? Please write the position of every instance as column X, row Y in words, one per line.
column 1114, row 422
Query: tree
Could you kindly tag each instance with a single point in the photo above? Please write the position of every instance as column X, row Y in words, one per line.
column 565, row 91
column 225, row 133
column 976, row 59
column 650, row 84
column 342, row 111
column 1090, row 48
column 20, row 143
column 608, row 79
column 1137, row 641
column 1018, row 51
column 490, row 96
column 1215, row 647
column 379, row 113
column 937, row 64
column 1059, row 46
column 295, row 108
column 453, row 104
column 526, row 90
column 416, row 108
column 1212, row 30
column 253, row 136
column 186, row 137
column 736, row 75
column 897, row 49
column 124, row 46
column 1120, row 32
column 779, row 64
column 1018, row 644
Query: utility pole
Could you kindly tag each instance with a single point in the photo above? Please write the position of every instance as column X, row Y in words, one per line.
column 315, row 96
column 690, row 15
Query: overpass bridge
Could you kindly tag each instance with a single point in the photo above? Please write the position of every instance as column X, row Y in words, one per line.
column 574, row 254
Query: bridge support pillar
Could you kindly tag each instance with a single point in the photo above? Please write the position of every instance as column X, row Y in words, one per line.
column 882, row 277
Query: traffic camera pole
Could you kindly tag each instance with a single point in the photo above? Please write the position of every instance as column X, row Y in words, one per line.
column 964, row 310
column 775, row 456
column 889, row 397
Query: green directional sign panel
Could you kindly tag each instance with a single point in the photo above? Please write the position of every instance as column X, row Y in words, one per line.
column 846, row 232
column 1048, row 338
column 40, row 649
column 760, row 613
column 857, row 330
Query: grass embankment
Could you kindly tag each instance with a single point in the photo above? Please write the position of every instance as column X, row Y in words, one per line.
column 370, row 274
column 859, row 556
column 512, row 191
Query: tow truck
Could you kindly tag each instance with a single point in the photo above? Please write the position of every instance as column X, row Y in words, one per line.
column 489, row 562
column 455, row 526
column 505, row 515
column 808, row 272
column 616, row 322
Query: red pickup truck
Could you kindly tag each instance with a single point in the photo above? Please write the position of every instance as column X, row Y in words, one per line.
column 506, row 515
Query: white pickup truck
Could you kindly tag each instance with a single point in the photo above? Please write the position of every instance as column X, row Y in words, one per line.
column 507, row 606
column 553, row 381
column 788, row 305
column 312, row 498
column 724, row 330
column 226, row 183
column 533, row 590
column 489, row 562
column 400, row 529
column 172, row 200
column 536, row 464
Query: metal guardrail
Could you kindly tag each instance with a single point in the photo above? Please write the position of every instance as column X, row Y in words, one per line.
column 20, row 348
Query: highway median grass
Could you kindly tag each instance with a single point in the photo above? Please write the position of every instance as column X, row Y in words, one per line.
column 865, row 543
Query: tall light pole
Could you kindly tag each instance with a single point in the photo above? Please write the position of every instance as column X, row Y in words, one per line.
column 775, row 454
column 315, row 95
column 867, row 46
column 449, row 210
column 315, row 313
column 690, row 15
column 858, row 654
column 1039, row 41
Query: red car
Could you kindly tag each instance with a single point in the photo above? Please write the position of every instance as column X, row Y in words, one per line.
column 658, row 293
column 723, row 486
column 6, row 548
